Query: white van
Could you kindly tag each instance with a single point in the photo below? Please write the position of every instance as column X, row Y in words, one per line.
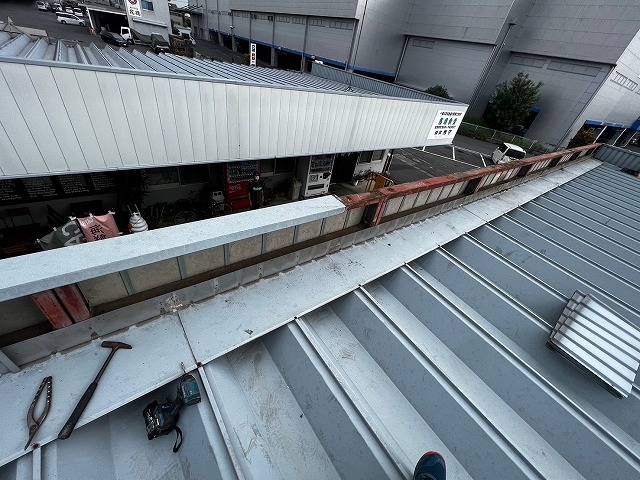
column 69, row 19
column 507, row 152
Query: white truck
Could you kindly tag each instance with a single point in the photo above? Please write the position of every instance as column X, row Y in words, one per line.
column 185, row 34
column 125, row 32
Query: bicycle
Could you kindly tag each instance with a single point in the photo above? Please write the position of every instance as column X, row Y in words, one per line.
column 219, row 208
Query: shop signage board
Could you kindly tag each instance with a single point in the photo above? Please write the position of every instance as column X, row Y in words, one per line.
column 253, row 54
column 23, row 190
column 445, row 125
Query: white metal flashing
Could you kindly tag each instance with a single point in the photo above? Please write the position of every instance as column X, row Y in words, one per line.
column 221, row 324
column 44, row 270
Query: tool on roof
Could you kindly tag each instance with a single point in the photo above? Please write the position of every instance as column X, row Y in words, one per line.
column 86, row 397
column 32, row 423
column 161, row 418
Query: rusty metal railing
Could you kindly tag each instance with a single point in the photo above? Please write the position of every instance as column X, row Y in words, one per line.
column 423, row 193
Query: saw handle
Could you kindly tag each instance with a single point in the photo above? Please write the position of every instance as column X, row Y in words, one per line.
column 77, row 412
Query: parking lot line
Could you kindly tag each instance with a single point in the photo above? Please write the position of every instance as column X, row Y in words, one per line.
column 448, row 158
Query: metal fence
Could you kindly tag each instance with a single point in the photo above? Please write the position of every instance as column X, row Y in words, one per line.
column 496, row 136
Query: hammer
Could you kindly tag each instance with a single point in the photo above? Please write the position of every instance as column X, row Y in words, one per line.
column 86, row 397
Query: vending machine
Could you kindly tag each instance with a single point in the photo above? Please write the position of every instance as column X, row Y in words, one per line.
column 237, row 176
column 315, row 174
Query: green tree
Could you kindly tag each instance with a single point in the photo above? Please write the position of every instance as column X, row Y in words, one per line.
column 512, row 101
column 583, row 137
column 439, row 91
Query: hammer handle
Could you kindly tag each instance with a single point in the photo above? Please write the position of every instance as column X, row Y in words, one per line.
column 77, row 412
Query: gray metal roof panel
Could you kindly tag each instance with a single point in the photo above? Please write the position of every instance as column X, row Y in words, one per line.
column 151, row 62
column 14, row 46
column 17, row 46
column 115, row 58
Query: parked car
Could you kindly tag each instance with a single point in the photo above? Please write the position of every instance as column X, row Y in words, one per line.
column 78, row 12
column 70, row 19
column 113, row 38
column 508, row 152
column 43, row 6
column 56, row 7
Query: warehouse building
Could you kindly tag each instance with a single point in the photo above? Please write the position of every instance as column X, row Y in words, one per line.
column 143, row 16
column 75, row 119
column 585, row 53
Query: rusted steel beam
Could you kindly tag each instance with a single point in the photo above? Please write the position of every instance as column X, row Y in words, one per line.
column 49, row 305
column 73, row 302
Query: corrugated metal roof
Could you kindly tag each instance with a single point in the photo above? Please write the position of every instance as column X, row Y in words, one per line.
column 66, row 108
column 446, row 352
column 22, row 46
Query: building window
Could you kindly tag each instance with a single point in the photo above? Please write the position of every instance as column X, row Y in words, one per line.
column 282, row 18
column 286, row 165
column 528, row 61
column 267, row 166
column 146, row 5
column 572, row 67
column 174, row 176
column 377, row 155
column 374, row 156
column 298, row 20
column 417, row 42
column 261, row 16
column 624, row 81
column 162, row 176
column 316, row 22
column 193, row 174
column 340, row 24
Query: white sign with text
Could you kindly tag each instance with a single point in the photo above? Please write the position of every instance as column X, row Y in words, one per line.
column 133, row 8
column 445, row 124
column 253, row 54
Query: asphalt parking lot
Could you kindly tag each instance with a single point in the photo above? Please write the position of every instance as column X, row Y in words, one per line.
column 418, row 163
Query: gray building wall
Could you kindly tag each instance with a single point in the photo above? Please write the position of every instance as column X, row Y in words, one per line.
column 593, row 30
column 154, row 21
column 321, row 8
column 469, row 46
column 466, row 20
column 457, row 65
column 568, row 88
column 618, row 100
column 382, row 39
